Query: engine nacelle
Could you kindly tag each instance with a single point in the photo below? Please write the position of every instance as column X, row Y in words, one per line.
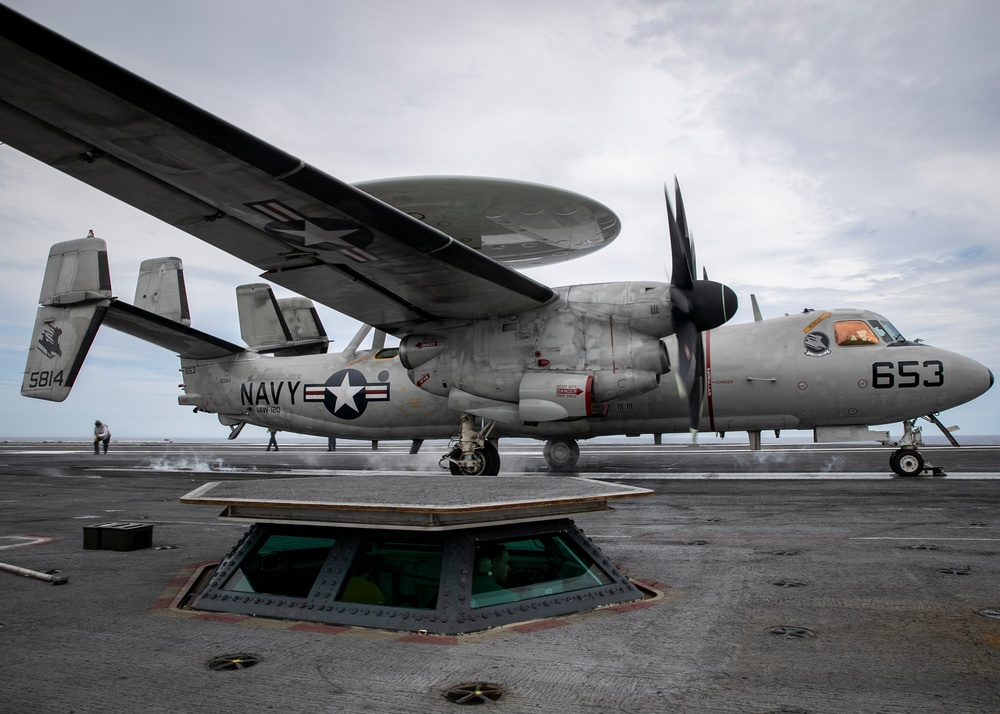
column 415, row 350
column 550, row 396
column 624, row 384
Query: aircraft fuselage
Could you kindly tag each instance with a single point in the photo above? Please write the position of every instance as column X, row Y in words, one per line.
column 813, row 369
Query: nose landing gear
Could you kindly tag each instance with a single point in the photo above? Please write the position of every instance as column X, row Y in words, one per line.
column 907, row 460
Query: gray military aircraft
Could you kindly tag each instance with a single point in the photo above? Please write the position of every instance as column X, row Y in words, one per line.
column 482, row 348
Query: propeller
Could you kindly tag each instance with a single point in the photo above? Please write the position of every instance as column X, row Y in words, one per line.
column 696, row 305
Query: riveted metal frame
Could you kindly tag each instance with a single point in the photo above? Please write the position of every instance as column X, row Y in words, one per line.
column 453, row 614
column 471, row 619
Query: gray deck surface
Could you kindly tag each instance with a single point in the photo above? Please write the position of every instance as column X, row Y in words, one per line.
column 894, row 578
column 414, row 500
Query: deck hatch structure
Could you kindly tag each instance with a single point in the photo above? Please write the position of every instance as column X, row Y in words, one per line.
column 338, row 567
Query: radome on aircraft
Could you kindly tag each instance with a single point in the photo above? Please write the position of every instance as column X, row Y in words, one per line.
column 483, row 350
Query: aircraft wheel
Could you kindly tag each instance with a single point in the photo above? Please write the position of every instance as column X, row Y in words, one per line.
column 484, row 462
column 906, row 462
column 561, row 454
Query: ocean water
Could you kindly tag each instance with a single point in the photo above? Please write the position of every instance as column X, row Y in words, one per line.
column 733, row 438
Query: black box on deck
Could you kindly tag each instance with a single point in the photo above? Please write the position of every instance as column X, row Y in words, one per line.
column 118, row 536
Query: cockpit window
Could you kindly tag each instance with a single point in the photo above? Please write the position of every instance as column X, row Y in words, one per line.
column 387, row 353
column 886, row 330
column 850, row 333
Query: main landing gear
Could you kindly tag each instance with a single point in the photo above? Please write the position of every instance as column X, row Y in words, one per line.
column 472, row 453
column 907, row 460
column 562, row 454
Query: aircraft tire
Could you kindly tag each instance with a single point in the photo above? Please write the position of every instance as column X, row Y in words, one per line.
column 906, row 462
column 562, row 454
column 486, row 462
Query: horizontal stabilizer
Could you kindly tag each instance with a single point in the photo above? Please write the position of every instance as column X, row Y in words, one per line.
column 290, row 326
column 177, row 337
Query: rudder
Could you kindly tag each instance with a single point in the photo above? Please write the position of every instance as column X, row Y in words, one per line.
column 161, row 290
column 75, row 295
column 285, row 327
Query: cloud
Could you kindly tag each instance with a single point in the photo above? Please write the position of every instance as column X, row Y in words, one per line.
column 831, row 154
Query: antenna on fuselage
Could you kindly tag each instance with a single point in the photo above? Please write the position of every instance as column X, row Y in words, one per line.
column 756, row 308
column 351, row 351
column 378, row 342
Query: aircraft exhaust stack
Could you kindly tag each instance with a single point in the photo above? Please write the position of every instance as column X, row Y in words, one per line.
column 416, row 350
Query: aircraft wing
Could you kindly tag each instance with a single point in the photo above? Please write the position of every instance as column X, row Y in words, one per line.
column 308, row 231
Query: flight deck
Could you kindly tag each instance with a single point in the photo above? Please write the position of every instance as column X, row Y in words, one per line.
column 797, row 579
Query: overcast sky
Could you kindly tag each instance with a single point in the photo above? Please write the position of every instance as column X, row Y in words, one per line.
column 832, row 154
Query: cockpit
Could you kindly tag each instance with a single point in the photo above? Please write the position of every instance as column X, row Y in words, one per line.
column 851, row 333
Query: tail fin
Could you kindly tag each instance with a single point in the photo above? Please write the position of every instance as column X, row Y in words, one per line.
column 160, row 289
column 285, row 327
column 76, row 300
column 303, row 321
column 76, row 294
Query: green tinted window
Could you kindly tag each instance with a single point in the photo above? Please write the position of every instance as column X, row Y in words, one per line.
column 514, row 570
column 396, row 572
column 282, row 565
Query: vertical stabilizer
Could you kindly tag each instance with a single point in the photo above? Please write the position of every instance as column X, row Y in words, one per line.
column 76, row 293
column 302, row 319
column 160, row 289
column 262, row 325
column 286, row 327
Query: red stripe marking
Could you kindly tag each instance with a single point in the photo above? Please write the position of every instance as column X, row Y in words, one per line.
column 276, row 209
column 708, row 380
column 589, row 396
column 429, row 639
column 539, row 626
column 219, row 617
column 318, row 628
column 611, row 326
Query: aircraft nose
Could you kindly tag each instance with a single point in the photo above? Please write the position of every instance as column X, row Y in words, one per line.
column 982, row 377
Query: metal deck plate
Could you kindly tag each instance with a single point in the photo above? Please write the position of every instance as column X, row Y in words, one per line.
column 410, row 501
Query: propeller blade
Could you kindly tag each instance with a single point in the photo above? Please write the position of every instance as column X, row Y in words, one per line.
column 687, row 364
column 690, row 371
column 682, row 270
column 696, row 305
column 685, row 230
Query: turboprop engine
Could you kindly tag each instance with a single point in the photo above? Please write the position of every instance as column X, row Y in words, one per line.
column 591, row 345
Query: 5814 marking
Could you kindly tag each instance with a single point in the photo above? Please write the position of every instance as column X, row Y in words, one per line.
column 45, row 378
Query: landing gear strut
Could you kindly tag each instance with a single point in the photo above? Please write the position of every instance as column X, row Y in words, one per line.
column 472, row 453
column 907, row 460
